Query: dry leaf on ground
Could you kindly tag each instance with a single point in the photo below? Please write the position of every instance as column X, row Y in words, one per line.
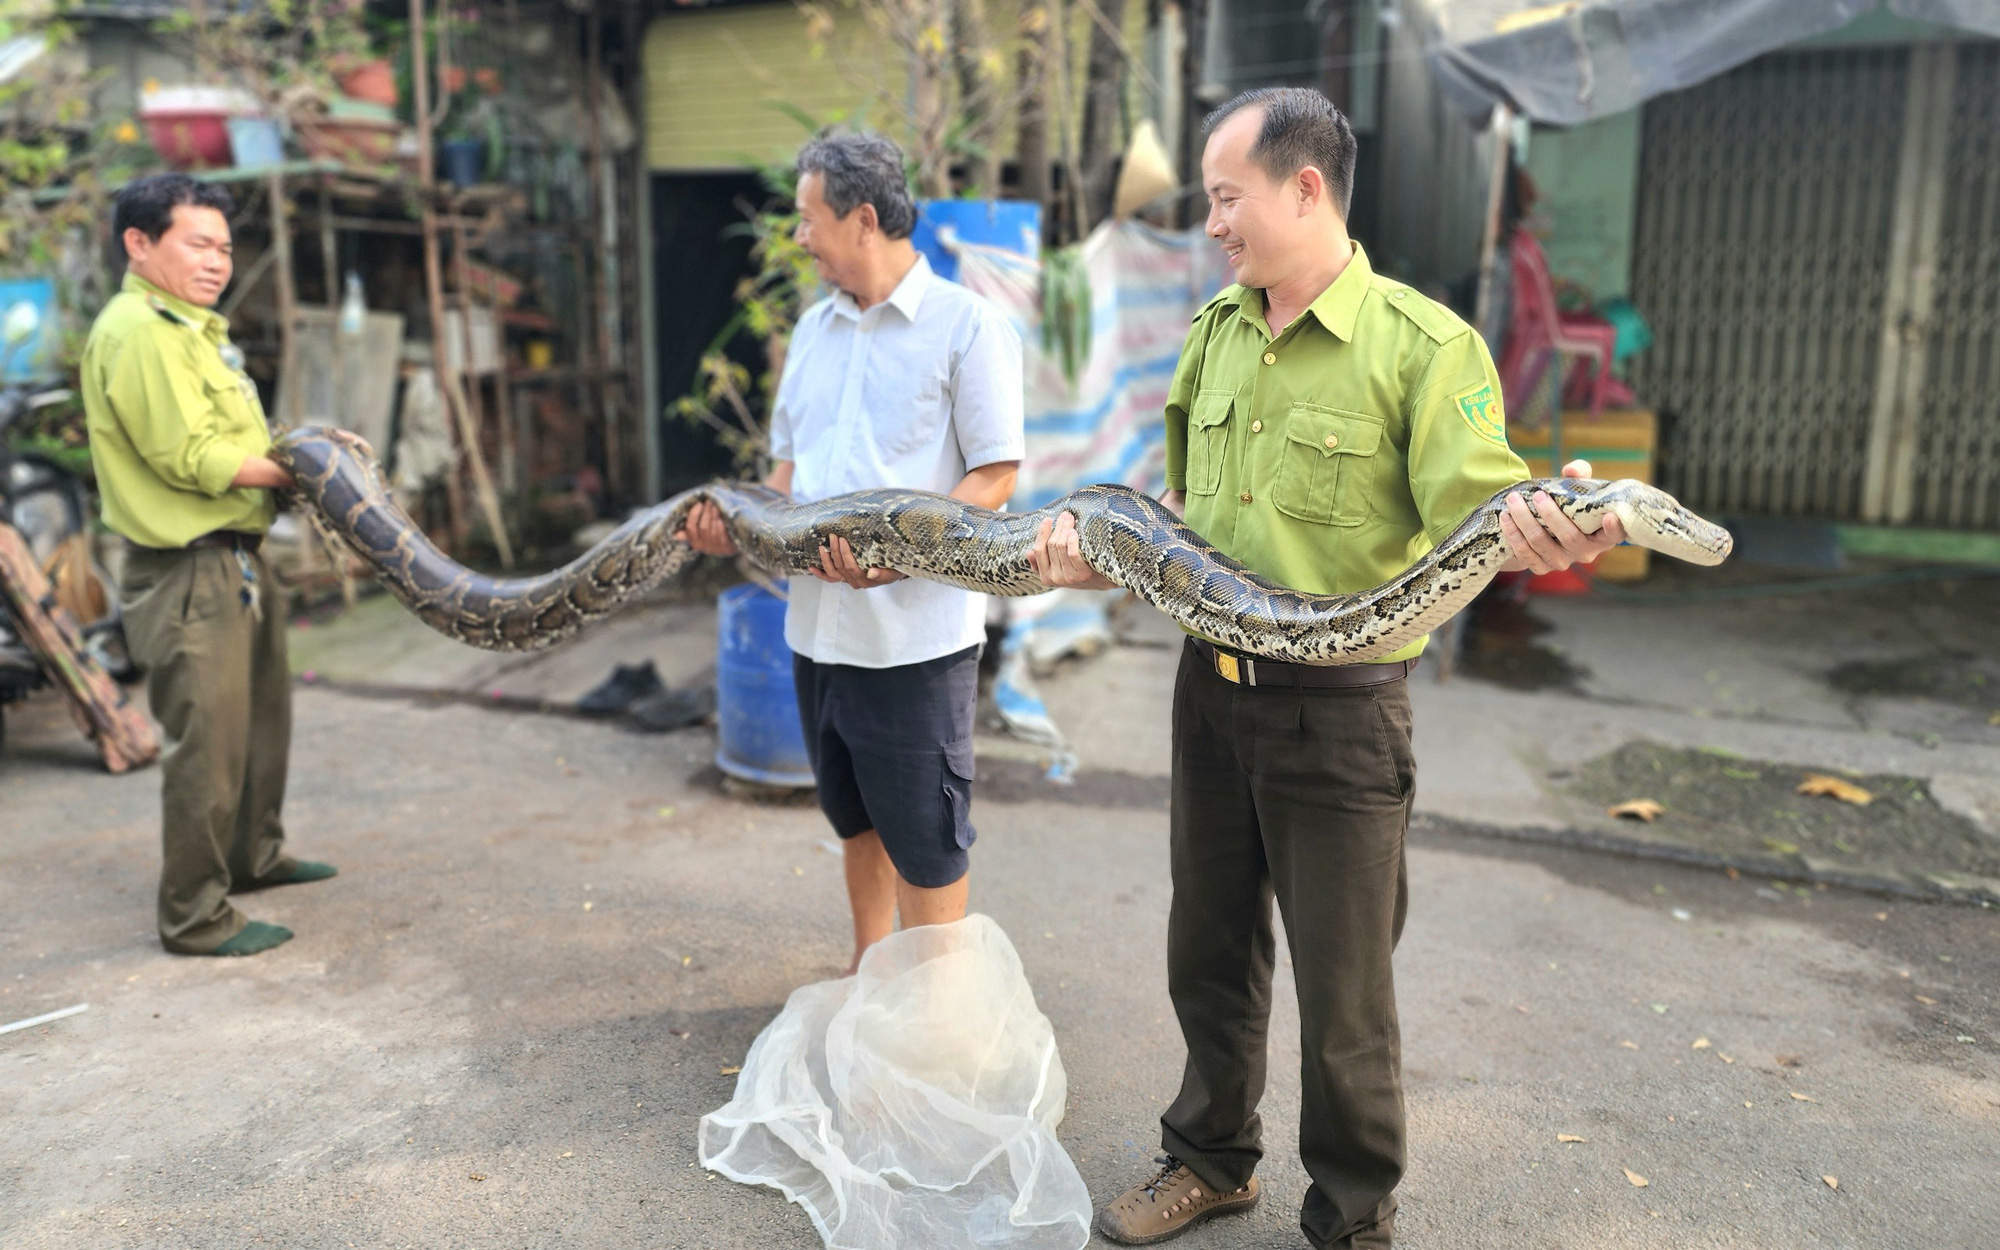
column 731, row 1071
column 1798, row 1097
column 1700, row 1043
column 1835, row 788
column 1831, row 1182
column 1928, row 1002
column 1629, row 1045
column 1638, row 1181
column 1569, row 1137
column 1636, row 809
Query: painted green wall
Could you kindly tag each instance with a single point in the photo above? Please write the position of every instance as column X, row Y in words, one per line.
column 1588, row 177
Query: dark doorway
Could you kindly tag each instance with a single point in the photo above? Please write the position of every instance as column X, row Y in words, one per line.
column 698, row 257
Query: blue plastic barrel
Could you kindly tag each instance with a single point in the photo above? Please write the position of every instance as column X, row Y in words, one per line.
column 756, row 708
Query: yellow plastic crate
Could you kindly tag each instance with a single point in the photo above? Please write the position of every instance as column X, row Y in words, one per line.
column 1617, row 444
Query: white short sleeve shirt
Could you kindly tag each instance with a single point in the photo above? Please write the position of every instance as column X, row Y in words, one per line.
column 915, row 392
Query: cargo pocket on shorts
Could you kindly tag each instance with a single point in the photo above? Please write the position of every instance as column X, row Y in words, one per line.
column 958, row 770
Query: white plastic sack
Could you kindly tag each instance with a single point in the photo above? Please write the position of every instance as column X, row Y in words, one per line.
column 913, row 1104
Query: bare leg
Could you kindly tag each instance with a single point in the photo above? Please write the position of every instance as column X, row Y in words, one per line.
column 942, row 905
column 872, row 886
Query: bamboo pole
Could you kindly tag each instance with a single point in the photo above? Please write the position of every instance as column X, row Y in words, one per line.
column 329, row 263
column 614, row 442
column 448, row 378
column 1501, row 126
column 433, row 283
column 288, row 308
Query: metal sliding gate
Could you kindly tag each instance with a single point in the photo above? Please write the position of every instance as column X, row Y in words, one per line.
column 1818, row 250
column 1954, row 476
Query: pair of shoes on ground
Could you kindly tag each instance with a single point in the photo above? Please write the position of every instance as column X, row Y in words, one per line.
column 636, row 689
column 256, row 937
column 1174, row 1201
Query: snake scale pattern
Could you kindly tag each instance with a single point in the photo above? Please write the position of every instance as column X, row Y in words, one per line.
column 1126, row 536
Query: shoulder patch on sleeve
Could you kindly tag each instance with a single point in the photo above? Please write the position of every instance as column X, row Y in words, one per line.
column 1482, row 411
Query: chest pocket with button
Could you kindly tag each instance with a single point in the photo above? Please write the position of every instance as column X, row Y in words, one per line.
column 1208, row 440
column 1327, row 473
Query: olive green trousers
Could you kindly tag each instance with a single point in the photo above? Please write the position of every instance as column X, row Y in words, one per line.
column 218, row 682
column 1302, row 796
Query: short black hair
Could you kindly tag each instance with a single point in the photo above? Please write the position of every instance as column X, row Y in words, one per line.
column 1301, row 128
column 147, row 204
column 861, row 167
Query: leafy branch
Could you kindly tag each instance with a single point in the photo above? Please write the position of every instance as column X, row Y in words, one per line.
column 728, row 399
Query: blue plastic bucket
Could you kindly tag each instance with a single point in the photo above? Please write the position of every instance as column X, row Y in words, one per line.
column 756, row 707
column 461, row 161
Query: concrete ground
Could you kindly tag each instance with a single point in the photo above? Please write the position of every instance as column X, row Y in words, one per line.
column 499, row 1025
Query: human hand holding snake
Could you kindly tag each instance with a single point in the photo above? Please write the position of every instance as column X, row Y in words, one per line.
column 1543, row 540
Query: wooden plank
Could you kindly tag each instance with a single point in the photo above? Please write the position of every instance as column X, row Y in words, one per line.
column 124, row 737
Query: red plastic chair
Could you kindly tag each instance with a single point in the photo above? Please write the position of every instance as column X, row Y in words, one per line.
column 1539, row 333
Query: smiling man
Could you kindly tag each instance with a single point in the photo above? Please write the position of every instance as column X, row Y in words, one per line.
column 899, row 378
column 1326, row 427
column 178, row 439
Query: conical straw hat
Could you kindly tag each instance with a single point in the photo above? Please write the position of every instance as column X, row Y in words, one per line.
column 1148, row 172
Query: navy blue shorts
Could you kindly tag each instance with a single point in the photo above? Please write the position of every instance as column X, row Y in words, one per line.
column 891, row 749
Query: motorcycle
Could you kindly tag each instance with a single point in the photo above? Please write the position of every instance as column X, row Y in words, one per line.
column 49, row 506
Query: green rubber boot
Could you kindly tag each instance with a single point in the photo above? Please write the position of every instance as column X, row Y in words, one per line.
column 298, row 872
column 305, row 870
column 254, row 939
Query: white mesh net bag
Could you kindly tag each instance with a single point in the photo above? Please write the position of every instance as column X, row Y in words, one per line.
column 913, row 1104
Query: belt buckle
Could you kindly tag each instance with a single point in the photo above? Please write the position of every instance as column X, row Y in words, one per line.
column 1225, row 664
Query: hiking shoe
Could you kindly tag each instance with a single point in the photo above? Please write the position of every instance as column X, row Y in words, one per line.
column 627, row 684
column 1168, row 1205
column 674, row 709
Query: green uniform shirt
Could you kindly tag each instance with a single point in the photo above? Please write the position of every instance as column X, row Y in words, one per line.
column 171, row 422
column 1332, row 457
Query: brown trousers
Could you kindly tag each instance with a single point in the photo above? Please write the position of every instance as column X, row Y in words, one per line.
column 219, row 684
column 1303, row 795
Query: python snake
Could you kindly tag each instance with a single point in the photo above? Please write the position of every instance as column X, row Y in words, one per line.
column 1126, row 536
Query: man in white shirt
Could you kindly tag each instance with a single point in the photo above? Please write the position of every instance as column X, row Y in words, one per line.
column 899, row 379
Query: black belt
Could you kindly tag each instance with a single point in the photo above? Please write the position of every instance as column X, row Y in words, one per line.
column 229, row 540
column 1246, row 670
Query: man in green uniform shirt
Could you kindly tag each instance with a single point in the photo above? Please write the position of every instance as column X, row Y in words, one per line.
column 178, row 438
column 1326, row 427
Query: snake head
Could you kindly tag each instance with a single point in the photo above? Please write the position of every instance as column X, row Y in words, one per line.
column 1656, row 520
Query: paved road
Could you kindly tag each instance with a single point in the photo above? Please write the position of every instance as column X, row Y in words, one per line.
column 499, row 1025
